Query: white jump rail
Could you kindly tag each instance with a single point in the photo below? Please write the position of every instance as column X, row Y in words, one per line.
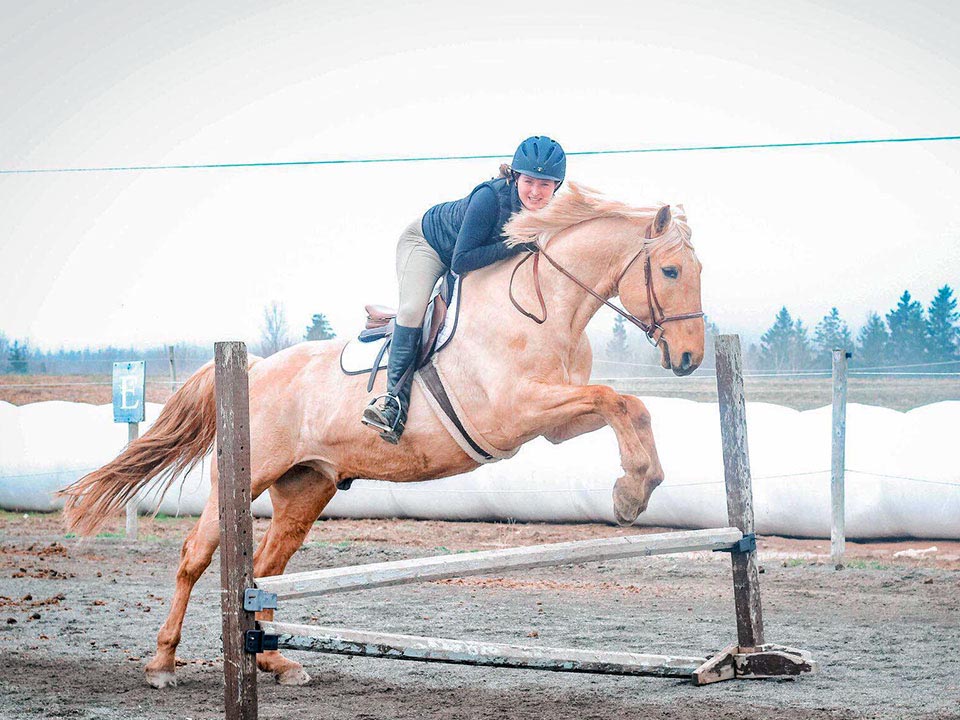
column 341, row 641
column 400, row 572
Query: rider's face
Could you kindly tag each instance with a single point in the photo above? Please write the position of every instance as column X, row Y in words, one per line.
column 535, row 193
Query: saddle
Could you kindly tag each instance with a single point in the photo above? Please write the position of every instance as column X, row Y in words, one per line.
column 367, row 354
column 381, row 321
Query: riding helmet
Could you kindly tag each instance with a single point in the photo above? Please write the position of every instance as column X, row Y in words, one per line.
column 540, row 157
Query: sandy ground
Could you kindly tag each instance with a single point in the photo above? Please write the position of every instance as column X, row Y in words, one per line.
column 78, row 622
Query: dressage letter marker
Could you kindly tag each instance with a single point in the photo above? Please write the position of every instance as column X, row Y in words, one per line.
column 129, row 383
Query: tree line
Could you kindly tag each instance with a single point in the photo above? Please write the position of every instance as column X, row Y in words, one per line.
column 908, row 334
column 18, row 357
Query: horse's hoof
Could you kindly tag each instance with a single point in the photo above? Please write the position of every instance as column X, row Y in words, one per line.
column 161, row 678
column 293, row 676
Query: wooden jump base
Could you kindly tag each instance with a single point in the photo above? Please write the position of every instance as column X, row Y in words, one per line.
column 749, row 657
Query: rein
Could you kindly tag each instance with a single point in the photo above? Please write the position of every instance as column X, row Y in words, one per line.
column 653, row 330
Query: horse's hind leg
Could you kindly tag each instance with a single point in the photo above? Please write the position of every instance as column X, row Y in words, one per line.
column 298, row 499
column 195, row 557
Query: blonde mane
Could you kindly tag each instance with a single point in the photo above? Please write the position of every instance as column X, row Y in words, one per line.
column 580, row 204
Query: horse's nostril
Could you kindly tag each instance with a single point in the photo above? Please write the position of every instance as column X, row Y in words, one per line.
column 685, row 361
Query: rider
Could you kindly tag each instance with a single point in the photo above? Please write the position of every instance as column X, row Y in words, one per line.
column 461, row 235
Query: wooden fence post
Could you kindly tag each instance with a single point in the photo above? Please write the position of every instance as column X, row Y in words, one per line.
column 173, row 370
column 736, row 470
column 133, row 521
column 236, row 527
column 838, row 458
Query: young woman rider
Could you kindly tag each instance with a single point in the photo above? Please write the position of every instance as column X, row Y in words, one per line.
column 461, row 235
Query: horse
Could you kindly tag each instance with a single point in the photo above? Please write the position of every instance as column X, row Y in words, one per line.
column 515, row 380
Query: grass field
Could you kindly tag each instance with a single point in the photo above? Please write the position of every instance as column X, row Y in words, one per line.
column 93, row 389
column 898, row 393
column 804, row 393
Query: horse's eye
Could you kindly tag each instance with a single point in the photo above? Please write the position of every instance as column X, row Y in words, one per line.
column 671, row 272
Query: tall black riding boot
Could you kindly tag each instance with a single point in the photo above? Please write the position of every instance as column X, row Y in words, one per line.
column 388, row 413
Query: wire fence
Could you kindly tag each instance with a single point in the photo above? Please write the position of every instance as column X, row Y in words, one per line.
column 866, row 371
column 484, row 156
column 824, row 374
column 80, row 471
column 82, row 384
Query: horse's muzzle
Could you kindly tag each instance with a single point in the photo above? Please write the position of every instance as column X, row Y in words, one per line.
column 686, row 366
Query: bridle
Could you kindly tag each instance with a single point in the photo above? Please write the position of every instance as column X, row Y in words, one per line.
column 658, row 318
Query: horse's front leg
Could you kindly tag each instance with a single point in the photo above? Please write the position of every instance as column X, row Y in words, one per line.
column 560, row 412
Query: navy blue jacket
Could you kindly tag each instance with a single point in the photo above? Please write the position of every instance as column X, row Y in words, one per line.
column 466, row 233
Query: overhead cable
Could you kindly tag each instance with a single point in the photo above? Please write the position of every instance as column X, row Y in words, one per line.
column 485, row 156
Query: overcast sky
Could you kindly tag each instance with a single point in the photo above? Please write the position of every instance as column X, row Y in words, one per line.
column 163, row 256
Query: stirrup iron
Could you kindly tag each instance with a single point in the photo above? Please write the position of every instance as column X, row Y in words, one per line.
column 372, row 422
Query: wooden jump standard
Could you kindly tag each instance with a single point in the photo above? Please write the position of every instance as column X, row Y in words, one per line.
column 241, row 597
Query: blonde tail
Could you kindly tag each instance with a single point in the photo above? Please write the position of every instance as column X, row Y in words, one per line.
column 181, row 436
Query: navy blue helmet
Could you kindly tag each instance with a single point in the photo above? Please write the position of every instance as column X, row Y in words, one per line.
column 541, row 157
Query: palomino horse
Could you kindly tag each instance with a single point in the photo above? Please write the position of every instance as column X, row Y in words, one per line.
column 515, row 380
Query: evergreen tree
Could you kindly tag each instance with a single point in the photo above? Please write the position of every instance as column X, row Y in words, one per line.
column 776, row 344
column 831, row 333
column 752, row 359
column 801, row 351
column 319, row 329
column 710, row 328
column 617, row 349
column 873, row 342
column 18, row 357
column 943, row 333
column 710, row 332
column 908, row 330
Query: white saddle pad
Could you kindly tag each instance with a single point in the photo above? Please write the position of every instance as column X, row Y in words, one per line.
column 358, row 357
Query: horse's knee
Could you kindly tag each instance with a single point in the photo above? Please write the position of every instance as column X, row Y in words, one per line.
column 195, row 558
column 638, row 412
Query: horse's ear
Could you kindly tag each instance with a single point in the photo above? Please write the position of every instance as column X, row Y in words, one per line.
column 661, row 221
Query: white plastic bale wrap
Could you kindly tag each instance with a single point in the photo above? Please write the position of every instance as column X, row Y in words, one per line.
column 45, row 446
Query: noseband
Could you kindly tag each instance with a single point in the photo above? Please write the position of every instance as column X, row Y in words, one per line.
column 653, row 330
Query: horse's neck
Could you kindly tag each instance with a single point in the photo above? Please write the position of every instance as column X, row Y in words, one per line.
column 592, row 252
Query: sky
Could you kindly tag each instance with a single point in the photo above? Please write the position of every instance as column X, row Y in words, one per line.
column 156, row 257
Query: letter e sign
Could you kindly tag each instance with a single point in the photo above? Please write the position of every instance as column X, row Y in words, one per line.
column 129, row 379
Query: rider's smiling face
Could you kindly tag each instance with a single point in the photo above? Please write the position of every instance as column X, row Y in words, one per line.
column 535, row 193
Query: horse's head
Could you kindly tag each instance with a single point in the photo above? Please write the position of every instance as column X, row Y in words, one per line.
column 660, row 284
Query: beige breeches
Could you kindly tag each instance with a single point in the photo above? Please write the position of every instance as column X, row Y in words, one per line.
column 418, row 269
